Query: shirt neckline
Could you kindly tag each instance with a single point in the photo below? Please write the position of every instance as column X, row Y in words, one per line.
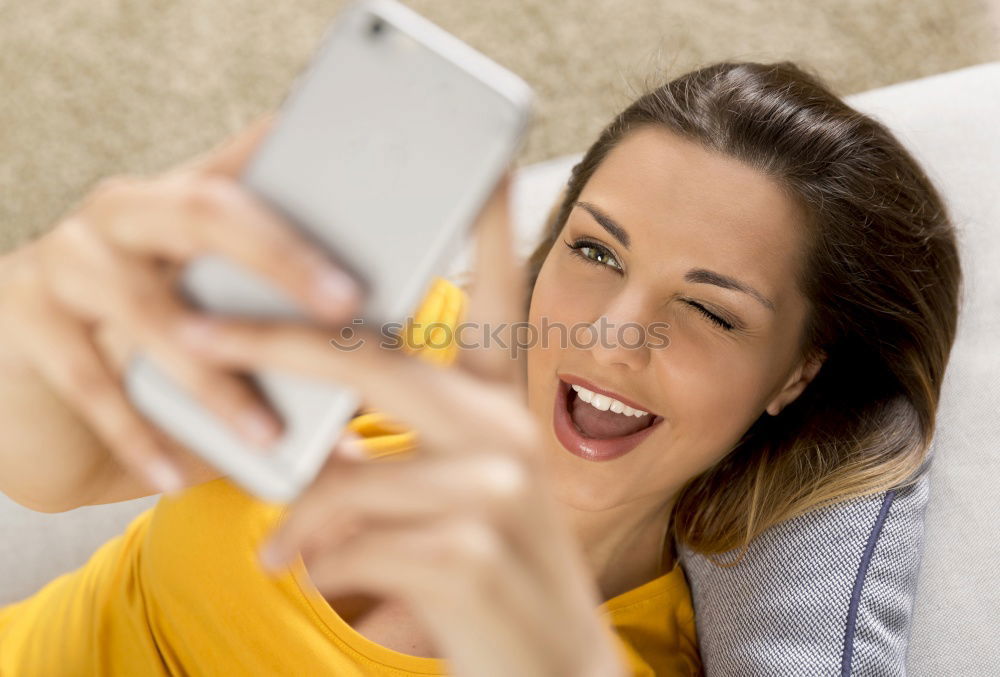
column 668, row 582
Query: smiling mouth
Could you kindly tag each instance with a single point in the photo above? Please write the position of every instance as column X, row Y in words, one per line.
column 593, row 435
column 596, row 420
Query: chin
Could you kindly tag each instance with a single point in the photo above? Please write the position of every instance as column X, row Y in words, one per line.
column 583, row 485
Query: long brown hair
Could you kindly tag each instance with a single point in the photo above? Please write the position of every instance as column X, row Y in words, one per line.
column 882, row 278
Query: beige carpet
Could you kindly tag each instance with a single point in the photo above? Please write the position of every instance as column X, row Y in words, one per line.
column 97, row 87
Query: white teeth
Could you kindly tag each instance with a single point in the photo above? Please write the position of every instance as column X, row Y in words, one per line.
column 604, row 403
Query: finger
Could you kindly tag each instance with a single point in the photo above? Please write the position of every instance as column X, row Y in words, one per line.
column 344, row 494
column 187, row 217
column 151, row 313
column 129, row 294
column 63, row 352
column 497, row 295
column 446, row 406
column 231, row 156
column 473, row 594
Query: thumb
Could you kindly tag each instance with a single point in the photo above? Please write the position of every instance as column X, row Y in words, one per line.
column 231, row 156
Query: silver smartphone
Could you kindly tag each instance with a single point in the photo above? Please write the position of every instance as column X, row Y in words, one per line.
column 383, row 153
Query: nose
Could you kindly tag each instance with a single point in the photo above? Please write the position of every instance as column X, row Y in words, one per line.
column 621, row 337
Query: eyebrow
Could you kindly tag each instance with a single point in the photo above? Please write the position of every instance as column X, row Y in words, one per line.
column 695, row 275
column 607, row 223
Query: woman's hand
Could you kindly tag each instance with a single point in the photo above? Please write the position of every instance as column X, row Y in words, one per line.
column 466, row 530
column 100, row 284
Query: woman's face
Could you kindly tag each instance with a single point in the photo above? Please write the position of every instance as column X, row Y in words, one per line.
column 689, row 217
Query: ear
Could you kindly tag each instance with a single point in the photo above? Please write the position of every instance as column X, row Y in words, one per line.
column 797, row 382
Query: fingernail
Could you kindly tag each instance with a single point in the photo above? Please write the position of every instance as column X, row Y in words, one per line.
column 258, row 427
column 197, row 332
column 351, row 448
column 164, row 476
column 271, row 556
column 333, row 290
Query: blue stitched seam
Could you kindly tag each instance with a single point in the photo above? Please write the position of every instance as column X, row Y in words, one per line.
column 859, row 582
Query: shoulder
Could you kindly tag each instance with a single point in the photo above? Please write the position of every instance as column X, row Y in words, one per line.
column 430, row 333
column 444, row 302
column 430, row 329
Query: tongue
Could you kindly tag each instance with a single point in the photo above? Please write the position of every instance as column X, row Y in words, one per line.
column 604, row 424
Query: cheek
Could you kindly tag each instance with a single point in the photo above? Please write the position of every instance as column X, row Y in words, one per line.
column 708, row 389
column 713, row 400
column 556, row 302
column 547, row 299
column 549, row 294
column 565, row 293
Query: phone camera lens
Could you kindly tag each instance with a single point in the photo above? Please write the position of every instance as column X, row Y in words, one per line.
column 376, row 27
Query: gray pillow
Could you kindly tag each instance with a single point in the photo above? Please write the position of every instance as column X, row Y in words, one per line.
column 827, row 593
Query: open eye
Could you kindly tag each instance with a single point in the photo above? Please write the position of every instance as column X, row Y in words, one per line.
column 593, row 253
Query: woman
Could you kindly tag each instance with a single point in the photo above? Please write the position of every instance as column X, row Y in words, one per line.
column 807, row 278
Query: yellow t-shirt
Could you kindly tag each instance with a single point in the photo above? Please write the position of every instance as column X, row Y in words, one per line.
column 180, row 592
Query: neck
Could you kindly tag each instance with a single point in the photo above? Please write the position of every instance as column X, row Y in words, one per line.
column 624, row 548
